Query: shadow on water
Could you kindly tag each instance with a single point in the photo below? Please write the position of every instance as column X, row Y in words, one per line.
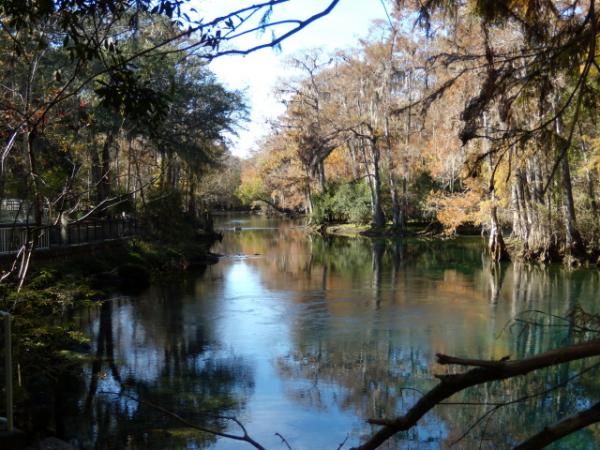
column 158, row 349
column 309, row 336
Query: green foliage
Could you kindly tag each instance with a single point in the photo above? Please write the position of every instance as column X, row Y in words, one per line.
column 132, row 97
column 47, row 342
column 153, row 256
column 164, row 217
column 324, row 210
column 251, row 189
column 348, row 202
column 44, row 278
column 422, row 185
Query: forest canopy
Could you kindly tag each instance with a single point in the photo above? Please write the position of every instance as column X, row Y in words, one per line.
column 461, row 112
column 109, row 106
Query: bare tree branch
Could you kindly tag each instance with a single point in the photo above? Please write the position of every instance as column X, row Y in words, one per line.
column 484, row 372
column 244, row 437
column 277, row 40
column 562, row 429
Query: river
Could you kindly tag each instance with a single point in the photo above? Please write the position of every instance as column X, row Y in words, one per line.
column 308, row 336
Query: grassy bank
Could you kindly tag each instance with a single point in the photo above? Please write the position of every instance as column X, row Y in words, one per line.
column 389, row 231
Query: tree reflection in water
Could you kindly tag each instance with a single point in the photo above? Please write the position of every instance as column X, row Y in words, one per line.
column 309, row 336
column 380, row 372
column 155, row 349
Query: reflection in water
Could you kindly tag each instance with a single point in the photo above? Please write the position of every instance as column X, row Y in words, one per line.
column 158, row 348
column 308, row 336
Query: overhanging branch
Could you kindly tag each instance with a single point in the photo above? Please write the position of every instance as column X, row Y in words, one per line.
column 484, row 372
column 562, row 429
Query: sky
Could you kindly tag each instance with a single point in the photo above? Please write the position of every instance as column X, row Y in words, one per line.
column 257, row 73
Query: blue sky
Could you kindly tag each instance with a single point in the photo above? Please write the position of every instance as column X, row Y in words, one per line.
column 258, row 72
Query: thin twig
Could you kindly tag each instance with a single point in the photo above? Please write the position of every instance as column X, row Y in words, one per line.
column 244, row 437
column 284, row 440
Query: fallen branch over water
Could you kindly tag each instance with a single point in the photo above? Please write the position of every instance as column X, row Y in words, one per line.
column 484, row 371
column 562, row 429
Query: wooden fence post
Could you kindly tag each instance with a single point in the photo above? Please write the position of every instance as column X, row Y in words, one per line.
column 8, row 371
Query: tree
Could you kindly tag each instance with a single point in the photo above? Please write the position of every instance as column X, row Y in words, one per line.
column 62, row 54
column 551, row 43
column 310, row 120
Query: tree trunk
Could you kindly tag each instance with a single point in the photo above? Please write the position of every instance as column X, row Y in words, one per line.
column 104, row 181
column 573, row 241
column 355, row 166
column 591, row 192
column 496, row 243
column 574, row 247
column 591, row 180
column 404, row 202
column 32, row 235
column 517, row 227
column 308, row 197
column 192, row 208
column 538, row 232
column 138, row 174
column 407, row 132
column 29, row 139
column 321, row 175
column 396, row 214
column 96, row 175
column 163, row 168
column 521, row 219
column 375, row 178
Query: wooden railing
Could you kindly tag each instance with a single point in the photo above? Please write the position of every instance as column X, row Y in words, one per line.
column 12, row 238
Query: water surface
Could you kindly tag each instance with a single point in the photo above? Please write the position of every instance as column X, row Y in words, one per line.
column 308, row 337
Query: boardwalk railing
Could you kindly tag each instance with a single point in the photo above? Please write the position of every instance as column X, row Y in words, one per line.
column 12, row 238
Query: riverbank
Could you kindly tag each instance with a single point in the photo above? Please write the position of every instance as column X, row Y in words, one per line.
column 118, row 264
column 49, row 349
column 389, row 231
column 514, row 247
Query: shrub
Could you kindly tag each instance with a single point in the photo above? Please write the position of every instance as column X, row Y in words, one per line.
column 164, row 219
column 354, row 200
column 349, row 202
